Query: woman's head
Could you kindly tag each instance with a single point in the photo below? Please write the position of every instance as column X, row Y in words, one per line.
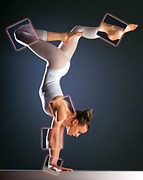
column 80, row 123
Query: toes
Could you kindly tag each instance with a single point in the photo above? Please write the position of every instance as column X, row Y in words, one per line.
column 133, row 26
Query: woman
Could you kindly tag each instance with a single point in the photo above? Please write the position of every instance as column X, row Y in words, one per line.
column 58, row 64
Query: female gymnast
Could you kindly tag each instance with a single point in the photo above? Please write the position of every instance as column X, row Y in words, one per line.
column 57, row 65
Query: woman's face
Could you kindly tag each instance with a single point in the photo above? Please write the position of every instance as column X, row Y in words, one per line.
column 75, row 129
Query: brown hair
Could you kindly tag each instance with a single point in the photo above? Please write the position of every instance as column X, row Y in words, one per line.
column 84, row 117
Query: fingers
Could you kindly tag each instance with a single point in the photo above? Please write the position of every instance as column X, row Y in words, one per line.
column 71, row 35
column 59, row 168
column 66, row 169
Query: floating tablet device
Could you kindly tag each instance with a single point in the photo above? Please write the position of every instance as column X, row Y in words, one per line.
column 111, row 29
column 44, row 138
column 27, row 27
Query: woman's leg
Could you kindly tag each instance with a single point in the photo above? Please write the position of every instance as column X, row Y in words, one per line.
column 55, row 58
column 55, row 36
column 26, row 34
column 88, row 32
column 46, row 51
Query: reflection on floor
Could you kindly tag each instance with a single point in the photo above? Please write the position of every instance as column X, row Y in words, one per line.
column 76, row 175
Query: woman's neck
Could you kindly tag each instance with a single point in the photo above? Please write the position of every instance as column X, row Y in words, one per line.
column 67, row 122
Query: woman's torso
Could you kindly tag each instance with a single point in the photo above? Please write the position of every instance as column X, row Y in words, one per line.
column 50, row 87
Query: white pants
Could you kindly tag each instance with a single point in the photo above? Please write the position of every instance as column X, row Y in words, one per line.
column 56, row 57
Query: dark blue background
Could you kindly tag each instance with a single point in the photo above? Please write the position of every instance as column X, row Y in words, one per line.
column 103, row 77
column 112, row 20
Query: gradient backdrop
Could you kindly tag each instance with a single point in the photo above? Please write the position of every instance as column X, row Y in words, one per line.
column 103, row 77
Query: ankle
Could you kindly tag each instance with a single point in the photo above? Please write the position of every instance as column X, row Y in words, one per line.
column 64, row 36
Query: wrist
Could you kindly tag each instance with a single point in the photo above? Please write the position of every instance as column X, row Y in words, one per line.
column 53, row 161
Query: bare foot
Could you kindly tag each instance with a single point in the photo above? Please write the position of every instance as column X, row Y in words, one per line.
column 131, row 27
column 70, row 35
column 118, row 32
column 115, row 32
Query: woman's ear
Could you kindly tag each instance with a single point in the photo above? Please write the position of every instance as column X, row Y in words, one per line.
column 75, row 121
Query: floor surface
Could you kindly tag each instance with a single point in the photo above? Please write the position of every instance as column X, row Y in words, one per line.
column 76, row 175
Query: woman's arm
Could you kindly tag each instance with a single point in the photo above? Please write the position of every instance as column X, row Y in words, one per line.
column 56, row 144
column 56, row 133
column 55, row 137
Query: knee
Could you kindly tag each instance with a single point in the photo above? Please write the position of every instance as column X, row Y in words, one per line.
column 40, row 92
column 77, row 28
column 18, row 33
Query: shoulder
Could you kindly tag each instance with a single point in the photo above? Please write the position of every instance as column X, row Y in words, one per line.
column 58, row 104
column 59, row 108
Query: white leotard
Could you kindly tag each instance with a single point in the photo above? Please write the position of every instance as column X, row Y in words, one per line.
column 50, row 87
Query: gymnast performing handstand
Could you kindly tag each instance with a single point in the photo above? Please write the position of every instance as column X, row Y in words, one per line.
column 57, row 65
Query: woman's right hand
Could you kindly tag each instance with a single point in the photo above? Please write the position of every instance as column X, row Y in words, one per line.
column 57, row 168
column 66, row 169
